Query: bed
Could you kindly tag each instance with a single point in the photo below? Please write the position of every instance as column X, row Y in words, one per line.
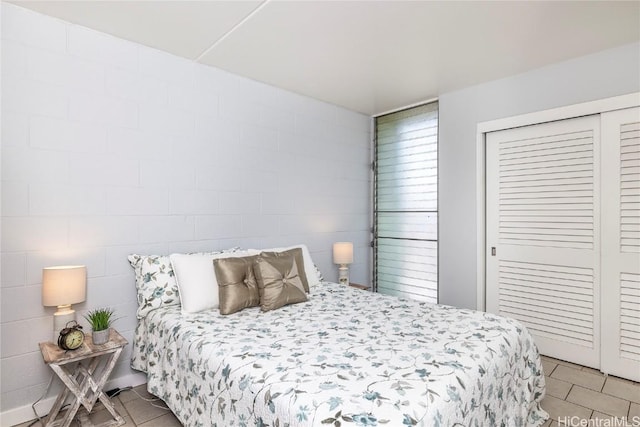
column 346, row 357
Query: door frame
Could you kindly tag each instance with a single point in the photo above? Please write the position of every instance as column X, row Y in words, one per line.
column 559, row 113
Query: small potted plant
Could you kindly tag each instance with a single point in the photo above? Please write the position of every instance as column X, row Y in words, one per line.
column 100, row 320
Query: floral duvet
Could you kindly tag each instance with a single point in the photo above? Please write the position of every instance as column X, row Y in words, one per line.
column 344, row 358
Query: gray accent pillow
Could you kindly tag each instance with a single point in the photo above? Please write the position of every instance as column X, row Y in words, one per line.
column 278, row 282
column 237, row 285
column 297, row 254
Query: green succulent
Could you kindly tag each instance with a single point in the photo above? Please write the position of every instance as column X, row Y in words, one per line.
column 100, row 318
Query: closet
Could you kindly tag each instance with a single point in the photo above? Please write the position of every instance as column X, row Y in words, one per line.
column 563, row 236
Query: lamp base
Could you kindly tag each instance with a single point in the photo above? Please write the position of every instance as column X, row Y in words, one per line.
column 343, row 274
column 61, row 317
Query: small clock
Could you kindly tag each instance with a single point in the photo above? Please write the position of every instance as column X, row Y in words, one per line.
column 71, row 337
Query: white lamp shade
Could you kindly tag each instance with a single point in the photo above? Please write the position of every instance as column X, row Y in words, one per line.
column 343, row 253
column 64, row 285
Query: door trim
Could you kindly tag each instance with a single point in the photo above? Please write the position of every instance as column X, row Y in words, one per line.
column 560, row 113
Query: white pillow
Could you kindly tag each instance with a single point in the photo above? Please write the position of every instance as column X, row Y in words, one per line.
column 197, row 280
column 309, row 266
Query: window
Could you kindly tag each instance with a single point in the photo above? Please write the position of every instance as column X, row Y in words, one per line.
column 406, row 203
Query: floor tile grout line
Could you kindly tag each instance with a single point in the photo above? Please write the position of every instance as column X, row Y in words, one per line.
column 568, row 393
column 127, row 411
column 591, row 409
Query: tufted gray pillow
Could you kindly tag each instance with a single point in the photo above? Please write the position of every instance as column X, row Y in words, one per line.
column 297, row 255
column 278, row 282
column 237, row 285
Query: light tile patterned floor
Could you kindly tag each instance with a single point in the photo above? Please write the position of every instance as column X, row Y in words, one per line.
column 138, row 408
column 575, row 395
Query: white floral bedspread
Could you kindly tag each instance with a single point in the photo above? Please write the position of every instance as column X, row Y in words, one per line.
column 344, row 358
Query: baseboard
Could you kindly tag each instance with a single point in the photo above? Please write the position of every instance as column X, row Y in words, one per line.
column 25, row 413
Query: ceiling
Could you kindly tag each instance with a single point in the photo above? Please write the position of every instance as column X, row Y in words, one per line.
column 368, row 56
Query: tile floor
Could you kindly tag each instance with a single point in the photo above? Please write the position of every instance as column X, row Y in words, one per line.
column 576, row 391
column 572, row 391
column 134, row 408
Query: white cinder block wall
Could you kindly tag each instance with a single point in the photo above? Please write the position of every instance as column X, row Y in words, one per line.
column 111, row 148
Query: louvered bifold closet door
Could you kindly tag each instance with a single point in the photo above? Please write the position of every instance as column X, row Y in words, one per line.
column 621, row 243
column 543, row 234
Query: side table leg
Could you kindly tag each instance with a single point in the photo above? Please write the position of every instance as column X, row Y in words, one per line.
column 109, row 365
column 71, row 413
column 70, row 381
column 55, row 409
column 111, row 408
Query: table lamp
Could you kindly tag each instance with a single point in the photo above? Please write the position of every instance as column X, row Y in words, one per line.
column 343, row 256
column 61, row 287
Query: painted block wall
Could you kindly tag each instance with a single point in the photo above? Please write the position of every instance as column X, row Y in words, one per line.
column 111, row 148
column 601, row 75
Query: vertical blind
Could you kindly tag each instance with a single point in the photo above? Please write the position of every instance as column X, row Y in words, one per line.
column 406, row 203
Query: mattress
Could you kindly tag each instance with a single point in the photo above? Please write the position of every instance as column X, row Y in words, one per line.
column 345, row 357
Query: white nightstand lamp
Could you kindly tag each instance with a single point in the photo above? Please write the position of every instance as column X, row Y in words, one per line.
column 343, row 256
column 61, row 287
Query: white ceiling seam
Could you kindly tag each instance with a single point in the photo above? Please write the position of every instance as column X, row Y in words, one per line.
column 232, row 29
column 367, row 56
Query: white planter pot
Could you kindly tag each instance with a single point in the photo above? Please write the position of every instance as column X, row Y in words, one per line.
column 100, row 337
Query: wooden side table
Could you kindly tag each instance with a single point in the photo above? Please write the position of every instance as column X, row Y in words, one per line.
column 359, row 286
column 84, row 382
